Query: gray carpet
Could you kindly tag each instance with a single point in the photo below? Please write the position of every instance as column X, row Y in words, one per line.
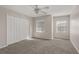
column 39, row 46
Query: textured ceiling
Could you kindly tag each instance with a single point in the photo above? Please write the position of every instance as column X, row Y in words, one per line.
column 53, row 9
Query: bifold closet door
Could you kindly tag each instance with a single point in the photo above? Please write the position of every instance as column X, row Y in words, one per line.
column 17, row 29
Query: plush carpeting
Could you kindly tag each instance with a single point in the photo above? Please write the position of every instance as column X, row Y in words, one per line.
column 39, row 46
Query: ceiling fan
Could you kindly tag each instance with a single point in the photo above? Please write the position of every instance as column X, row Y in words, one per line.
column 38, row 10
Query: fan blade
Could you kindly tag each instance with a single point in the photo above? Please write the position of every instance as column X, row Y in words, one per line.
column 45, row 8
column 31, row 6
column 43, row 12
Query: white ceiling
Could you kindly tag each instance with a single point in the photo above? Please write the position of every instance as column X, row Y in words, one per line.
column 53, row 9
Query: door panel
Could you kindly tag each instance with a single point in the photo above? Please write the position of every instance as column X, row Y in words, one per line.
column 17, row 29
column 61, row 25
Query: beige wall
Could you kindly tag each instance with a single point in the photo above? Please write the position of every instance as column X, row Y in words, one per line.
column 47, row 34
column 74, row 28
column 5, row 26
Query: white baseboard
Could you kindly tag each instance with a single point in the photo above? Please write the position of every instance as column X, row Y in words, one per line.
column 3, row 46
column 13, row 42
column 75, row 47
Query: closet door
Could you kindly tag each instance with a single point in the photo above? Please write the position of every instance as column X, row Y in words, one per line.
column 17, row 29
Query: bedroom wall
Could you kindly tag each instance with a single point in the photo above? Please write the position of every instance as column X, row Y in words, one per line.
column 47, row 34
column 74, row 28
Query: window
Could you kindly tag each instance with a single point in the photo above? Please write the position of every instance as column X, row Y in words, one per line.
column 61, row 26
column 39, row 25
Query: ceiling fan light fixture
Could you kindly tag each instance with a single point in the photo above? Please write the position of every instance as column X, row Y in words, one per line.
column 36, row 10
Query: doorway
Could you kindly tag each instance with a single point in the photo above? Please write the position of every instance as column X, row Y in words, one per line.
column 61, row 27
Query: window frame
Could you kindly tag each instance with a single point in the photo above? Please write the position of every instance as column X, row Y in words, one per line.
column 39, row 28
